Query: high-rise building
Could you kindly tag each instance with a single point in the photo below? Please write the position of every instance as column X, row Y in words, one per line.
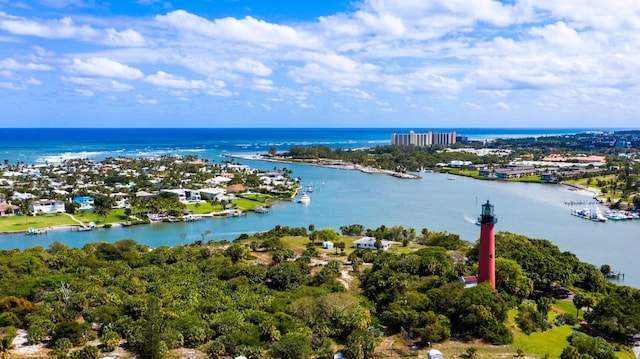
column 423, row 139
column 487, row 251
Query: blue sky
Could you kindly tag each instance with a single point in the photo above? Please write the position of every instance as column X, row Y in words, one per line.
column 371, row 63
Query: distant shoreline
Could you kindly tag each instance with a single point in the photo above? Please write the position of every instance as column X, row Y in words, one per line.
column 329, row 164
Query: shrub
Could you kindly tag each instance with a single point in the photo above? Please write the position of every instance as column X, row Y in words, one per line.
column 566, row 318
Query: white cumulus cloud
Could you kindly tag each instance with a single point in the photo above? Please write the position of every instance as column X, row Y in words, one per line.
column 103, row 67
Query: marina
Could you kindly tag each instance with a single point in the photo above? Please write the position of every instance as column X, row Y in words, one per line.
column 590, row 214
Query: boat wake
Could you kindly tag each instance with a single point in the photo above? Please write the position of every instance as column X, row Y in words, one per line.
column 469, row 219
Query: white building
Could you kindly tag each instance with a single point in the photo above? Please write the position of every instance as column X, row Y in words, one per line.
column 47, row 206
column 185, row 195
column 434, row 354
column 216, row 193
column 370, row 243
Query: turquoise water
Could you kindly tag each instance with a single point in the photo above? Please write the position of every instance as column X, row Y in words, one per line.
column 40, row 146
column 343, row 197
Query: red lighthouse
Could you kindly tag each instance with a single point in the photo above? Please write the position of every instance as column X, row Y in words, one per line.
column 487, row 253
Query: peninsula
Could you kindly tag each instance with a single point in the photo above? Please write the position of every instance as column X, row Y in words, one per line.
column 81, row 194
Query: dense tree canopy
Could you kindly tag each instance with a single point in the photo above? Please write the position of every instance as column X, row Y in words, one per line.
column 212, row 297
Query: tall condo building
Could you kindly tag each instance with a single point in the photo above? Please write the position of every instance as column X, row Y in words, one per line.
column 423, row 139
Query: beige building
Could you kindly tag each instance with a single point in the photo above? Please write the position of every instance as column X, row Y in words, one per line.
column 423, row 139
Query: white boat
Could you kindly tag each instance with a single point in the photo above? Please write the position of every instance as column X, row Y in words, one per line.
column 309, row 188
column 261, row 209
column 592, row 215
column 304, row 198
column 35, row 232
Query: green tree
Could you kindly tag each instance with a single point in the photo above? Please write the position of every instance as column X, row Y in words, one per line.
column 292, row 346
column 6, row 344
column 153, row 346
column 437, row 327
column 511, row 278
column 88, row 352
column 102, row 205
column 360, row 344
column 110, row 340
column 570, row 352
column 215, row 349
column 285, row 276
column 235, row 252
column 582, row 300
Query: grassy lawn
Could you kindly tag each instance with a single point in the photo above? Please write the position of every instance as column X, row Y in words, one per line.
column 258, row 197
column 466, row 173
column 566, row 307
column 246, row 204
column 21, row 223
column 115, row 215
column 539, row 344
column 534, row 179
column 476, row 175
column 609, row 195
column 203, row 208
column 550, row 342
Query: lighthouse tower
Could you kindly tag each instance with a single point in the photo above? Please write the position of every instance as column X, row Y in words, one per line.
column 487, row 253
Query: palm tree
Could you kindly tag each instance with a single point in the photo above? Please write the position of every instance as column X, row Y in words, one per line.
column 5, row 346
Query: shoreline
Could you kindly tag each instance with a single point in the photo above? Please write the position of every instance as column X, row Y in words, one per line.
column 73, row 227
column 335, row 164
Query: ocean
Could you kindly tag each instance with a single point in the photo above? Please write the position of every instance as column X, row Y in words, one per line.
column 54, row 145
column 341, row 197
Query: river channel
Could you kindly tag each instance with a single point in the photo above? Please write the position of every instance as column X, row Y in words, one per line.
column 436, row 202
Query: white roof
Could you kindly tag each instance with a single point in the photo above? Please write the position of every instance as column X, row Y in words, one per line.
column 371, row 241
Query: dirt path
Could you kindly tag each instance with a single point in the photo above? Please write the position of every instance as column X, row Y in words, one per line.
column 74, row 219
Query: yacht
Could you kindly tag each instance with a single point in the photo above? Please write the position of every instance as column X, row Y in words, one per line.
column 304, row 198
column 261, row 209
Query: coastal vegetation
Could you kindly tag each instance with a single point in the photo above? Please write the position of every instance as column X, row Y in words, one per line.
column 281, row 294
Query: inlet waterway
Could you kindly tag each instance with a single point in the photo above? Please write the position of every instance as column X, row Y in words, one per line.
column 436, row 202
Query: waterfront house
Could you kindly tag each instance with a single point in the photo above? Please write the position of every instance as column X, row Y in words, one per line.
column 213, row 193
column 370, row 243
column 236, row 188
column 120, row 200
column 85, row 202
column 144, row 194
column 8, row 209
column 46, row 206
column 185, row 195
